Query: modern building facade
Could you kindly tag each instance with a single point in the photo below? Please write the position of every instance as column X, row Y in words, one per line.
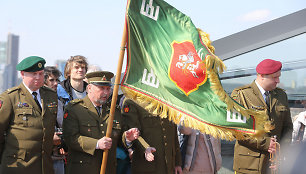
column 2, row 52
column 12, row 52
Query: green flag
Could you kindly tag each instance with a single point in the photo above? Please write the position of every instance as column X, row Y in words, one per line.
column 172, row 72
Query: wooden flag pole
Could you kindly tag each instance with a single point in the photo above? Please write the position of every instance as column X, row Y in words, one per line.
column 114, row 98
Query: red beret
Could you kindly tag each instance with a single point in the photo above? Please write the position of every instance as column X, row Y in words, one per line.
column 268, row 66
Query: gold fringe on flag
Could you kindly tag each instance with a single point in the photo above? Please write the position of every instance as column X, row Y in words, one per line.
column 214, row 66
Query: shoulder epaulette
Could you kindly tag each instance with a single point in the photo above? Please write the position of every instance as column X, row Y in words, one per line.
column 280, row 89
column 75, row 101
column 243, row 87
column 72, row 103
column 13, row 89
column 47, row 88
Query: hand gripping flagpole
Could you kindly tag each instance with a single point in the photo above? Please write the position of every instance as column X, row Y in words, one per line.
column 114, row 97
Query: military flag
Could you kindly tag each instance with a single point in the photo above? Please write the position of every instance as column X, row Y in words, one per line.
column 172, row 72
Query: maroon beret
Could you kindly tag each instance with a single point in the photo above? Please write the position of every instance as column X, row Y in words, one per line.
column 268, row 66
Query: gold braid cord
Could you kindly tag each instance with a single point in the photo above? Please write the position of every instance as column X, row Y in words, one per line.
column 214, row 66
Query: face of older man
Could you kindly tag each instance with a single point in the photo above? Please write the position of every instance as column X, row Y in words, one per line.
column 270, row 81
column 33, row 80
column 98, row 94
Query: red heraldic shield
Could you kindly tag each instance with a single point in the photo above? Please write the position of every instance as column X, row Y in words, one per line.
column 187, row 69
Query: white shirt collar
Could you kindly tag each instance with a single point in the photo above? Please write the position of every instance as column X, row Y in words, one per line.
column 37, row 91
column 262, row 91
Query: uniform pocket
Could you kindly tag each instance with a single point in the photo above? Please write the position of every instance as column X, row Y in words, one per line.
column 281, row 108
column 249, row 160
column 89, row 128
column 150, row 121
column 13, row 158
column 23, row 117
column 81, row 158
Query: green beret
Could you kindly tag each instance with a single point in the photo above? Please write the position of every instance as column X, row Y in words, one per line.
column 31, row 64
column 100, row 78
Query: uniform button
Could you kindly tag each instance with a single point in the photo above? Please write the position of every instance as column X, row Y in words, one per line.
column 43, row 152
column 14, row 156
column 164, row 129
column 165, row 136
column 81, row 162
column 165, row 144
column 102, row 132
column 162, row 122
column 101, row 125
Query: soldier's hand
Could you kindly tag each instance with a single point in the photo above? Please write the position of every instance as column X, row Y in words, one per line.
column 130, row 153
column 105, row 143
column 272, row 146
column 178, row 170
column 149, row 153
column 132, row 134
column 56, row 139
column 62, row 151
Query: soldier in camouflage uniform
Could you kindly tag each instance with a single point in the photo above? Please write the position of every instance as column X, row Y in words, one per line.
column 252, row 156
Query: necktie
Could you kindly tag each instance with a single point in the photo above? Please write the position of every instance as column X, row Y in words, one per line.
column 36, row 100
column 98, row 108
column 267, row 94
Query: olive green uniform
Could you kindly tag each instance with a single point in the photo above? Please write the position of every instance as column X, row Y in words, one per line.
column 158, row 133
column 26, row 132
column 82, row 128
column 252, row 156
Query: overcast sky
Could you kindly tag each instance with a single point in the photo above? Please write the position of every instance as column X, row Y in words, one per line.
column 58, row 29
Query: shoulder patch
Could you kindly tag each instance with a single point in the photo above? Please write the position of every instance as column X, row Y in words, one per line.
column 1, row 102
column 66, row 115
column 126, row 109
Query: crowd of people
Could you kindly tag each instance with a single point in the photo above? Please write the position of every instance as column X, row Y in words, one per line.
column 48, row 126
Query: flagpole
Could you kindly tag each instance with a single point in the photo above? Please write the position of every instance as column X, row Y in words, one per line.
column 114, row 97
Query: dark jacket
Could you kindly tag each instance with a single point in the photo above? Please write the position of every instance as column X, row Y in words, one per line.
column 64, row 91
column 83, row 127
column 159, row 133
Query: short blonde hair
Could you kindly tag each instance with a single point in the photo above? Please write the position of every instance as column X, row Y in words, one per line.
column 77, row 59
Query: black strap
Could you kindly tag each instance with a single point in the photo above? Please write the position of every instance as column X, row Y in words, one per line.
column 212, row 152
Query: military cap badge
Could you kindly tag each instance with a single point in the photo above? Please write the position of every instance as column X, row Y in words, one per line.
column 103, row 78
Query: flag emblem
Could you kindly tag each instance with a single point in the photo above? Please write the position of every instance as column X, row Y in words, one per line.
column 66, row 115
column 186, row 70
